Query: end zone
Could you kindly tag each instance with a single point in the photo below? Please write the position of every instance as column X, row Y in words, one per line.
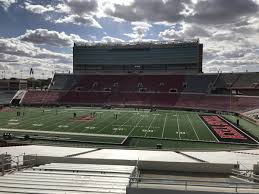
column 225, row 131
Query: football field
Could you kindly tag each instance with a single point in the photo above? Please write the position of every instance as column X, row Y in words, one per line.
column 137, row 127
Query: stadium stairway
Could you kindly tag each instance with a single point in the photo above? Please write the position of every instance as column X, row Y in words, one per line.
column 68, row 178
column 18, row 97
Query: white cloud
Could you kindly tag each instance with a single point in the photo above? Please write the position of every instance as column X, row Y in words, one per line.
column 26, row 55
column 139, row 30
column 80, row 20
column 149, row 10
column 222, row 11
column 228, row 47
column 54, row 38
column 187, row 32
column 109, row 39
column 6, row 3
column 39, row 9
column 228, row 29
column 81, row 7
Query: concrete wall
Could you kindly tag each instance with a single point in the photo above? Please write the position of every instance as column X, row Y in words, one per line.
column 144, row 165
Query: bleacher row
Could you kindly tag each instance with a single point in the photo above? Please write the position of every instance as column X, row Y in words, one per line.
column 126, row 83
column 181, row 100
column 198, row 83
column 68, row 178
column 188, row 91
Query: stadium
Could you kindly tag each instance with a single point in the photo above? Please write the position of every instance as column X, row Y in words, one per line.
column 184, row 131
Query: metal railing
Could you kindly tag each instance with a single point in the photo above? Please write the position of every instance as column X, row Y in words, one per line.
column 246, row 175
column 189, row 185
column 10, row 164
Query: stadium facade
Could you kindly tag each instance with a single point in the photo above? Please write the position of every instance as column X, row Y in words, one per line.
column 176, row 56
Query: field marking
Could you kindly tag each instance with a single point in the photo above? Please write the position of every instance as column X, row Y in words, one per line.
column 37, row 124
column 35, row 115
column 39, row 117
column 164, row 126
column 193, row 127
column 104, row 110
column 62, row 133
column 240, row 130
column 94, row 123
column 178, row 127
column 150, row 125
column 55, row 123
column 13, row 120
column 13, row 123
column 26, row 122
column 208, row 129
column 131, row 131
column 144, row 126
column 124, row 123
column 111, row 123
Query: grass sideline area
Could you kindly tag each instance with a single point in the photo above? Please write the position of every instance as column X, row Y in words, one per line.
column 127, row 126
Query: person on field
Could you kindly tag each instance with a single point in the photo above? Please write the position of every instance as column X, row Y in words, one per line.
column 238, row 122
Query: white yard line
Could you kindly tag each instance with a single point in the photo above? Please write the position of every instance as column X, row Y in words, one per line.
column 208, row 128
column 132, row 130
column 193, row 127
column 164, row 126
column 135, row 127
column 124, row 123
column 62, row 133
column 111, row 123
column 102, row 110
column 150, row 125
column 95, row 124
column 29, row 121
column 178, row 126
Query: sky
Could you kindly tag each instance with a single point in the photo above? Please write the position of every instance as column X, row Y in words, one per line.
column 39, row 34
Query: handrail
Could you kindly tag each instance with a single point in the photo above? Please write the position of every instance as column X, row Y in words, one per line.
column 9, row 164
column 188, row 183
column 246, row 175
column 183, row 180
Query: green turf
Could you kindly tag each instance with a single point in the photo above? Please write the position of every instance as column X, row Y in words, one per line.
column 137, row 128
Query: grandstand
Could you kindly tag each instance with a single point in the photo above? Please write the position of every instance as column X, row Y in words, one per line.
column 198, row 91
column 9, row 88
column 147, row 121
column 90, row 170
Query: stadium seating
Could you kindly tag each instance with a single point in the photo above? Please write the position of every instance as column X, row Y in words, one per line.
column 129, row 82
column 226, row 80
column 218, row 102
column 238, row 80
column 183, row 100
column 63, row 81
column 68, row 178
column 41, row 97
column 122, row 98
column 6, row 96
column 186, row 91
column 245, row 80
column 199, row 83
